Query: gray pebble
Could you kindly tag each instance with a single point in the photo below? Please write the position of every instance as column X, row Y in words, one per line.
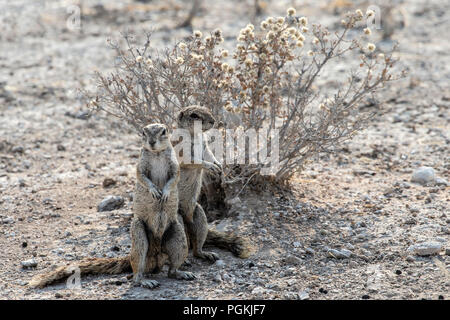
column 423, row 175
column 426, row 248
column 110, row 203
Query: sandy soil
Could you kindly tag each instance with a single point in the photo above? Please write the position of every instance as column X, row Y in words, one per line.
column 54, row 159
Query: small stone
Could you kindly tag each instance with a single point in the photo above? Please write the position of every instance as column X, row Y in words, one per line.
column 322, row 290
column 365, row 297
column 110, row 203
column 447, row 251
column 304, row 295
column 309, row 250
column 339, row 254
column 423, row 175
column 297, row 244
column 60, row 147
column 290, row 259
column 217, row 278
column 426, row 248
column 258, row 291
column 27, row 264
column 410, row 259
column 440, row 182
column 220, row 263
column 108, row 182
column 398, row 272
column 24, row 244
column 7, row 220
column 17, row 149
column 58, row 295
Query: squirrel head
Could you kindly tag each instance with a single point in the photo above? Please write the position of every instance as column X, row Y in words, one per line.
column 189, row 115
column 155, row 137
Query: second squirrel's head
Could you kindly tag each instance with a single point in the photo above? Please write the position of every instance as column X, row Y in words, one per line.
column 189, row 115
column 155, row 137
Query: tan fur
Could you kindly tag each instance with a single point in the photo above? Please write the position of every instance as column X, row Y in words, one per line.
column 189, row 187
column 87, row 266
column 157, row 231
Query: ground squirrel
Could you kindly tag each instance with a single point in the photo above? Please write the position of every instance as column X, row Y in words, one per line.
column 189, row 187
column 157, row 233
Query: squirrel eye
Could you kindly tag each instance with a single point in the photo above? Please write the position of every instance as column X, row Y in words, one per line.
column 143, row 133
column 194, row 116
column 163, row 132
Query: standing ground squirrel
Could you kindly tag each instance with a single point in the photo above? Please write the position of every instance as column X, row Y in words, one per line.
column 157, row 232
column 189, row 187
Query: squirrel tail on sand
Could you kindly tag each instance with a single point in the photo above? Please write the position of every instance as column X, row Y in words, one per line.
column 239, row 246
column 87, row 266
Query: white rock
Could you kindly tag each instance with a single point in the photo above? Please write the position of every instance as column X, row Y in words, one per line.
column 304, row 295
column 339, row 254
column 423, row 175
column 426, row 248
column 258, row 291
column 31, row 263
column 220, row 263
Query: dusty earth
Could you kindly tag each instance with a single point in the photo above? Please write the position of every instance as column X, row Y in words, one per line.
column 54, row 158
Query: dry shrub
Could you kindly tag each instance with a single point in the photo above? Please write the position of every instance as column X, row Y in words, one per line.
column 270, row 80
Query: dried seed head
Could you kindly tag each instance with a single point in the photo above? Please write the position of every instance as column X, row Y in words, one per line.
column 299, row 44
column 371, row 47
column 359, row 13
column 310, row 53
column 316, row 41
column 139, row 59
column 217, row 33
column 303, row 21
column 291, row 12
column 179, row 60
column 367, row 31
column 280, row 20
column 182, row 45
column 270, row 35
column 224, row 53
column 370, row 13
column 198, row 34
column 264, row 25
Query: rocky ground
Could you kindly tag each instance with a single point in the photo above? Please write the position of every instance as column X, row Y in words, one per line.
column 365, row 223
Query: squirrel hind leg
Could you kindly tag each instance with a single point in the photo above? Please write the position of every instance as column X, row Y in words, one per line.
column 175, row 245
column 198, row 231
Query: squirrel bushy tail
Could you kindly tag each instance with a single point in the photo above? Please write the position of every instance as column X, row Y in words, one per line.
column 239, row 246
column 87, row 266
